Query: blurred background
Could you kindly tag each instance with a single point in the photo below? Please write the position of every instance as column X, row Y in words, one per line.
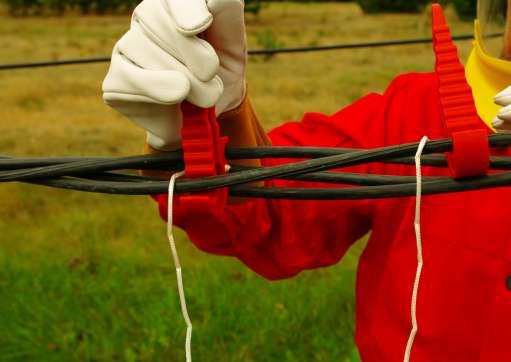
column 88, row 277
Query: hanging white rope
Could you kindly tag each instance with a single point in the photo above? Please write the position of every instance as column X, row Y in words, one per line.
column 420, row 261
column 177, row 264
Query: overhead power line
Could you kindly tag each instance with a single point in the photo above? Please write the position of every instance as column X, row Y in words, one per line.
column 255, row 52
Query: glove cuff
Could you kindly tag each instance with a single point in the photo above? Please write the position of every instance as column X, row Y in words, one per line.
column 242, row 126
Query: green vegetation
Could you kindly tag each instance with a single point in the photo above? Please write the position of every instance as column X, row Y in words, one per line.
column 39, row 7
column 466, row 9
column 253, row 6
column 405, row 6
column 89, row 277
column 46, row 7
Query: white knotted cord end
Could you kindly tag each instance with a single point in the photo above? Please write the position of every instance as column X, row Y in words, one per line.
column 420, row 261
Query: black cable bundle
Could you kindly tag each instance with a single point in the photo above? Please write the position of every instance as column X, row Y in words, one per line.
column 111, row 175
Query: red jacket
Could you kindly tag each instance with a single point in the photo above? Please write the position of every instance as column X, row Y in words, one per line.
column 464, row 299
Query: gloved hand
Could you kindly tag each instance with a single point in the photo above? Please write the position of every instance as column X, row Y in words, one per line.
column 502, row 121
column 177, row 50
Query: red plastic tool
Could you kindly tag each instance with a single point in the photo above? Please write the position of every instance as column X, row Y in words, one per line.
column 471, row 151
column 204, row 155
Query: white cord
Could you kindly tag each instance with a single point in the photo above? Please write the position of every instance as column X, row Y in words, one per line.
column 177, row 264
column 420, row 261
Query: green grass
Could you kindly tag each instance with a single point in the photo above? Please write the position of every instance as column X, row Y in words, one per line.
column 83, row 285
column 89, row 277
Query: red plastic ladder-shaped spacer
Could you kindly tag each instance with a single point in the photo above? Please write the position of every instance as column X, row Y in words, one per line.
column 204, row 155
column 471, row 151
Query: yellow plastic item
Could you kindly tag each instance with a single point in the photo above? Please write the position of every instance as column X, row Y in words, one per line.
column 487, row 76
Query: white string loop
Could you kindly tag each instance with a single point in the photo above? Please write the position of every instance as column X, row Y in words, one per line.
column 418, row 239
column 177, row 264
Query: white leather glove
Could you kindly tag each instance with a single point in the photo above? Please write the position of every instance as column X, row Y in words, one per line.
column 502, row 121
column 177, row 50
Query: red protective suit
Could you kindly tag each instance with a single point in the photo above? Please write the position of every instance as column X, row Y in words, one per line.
column 464, row 302
column 464, row 299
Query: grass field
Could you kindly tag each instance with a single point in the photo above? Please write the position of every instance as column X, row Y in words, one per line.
column 89, row 278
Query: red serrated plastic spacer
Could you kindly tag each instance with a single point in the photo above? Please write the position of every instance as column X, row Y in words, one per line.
column 471, row 151
column 204, row 155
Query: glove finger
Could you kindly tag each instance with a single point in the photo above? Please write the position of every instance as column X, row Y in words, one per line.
column 196, row 54
column 505, row 113
column 191, row 16
column 139, row 49
column 501, row 126
column 164, row 131
column 161, row 122
column 205, row 94
column 126, row 81
column 504, row 97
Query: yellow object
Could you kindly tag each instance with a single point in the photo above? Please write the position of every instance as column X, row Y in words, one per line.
column 487, row 76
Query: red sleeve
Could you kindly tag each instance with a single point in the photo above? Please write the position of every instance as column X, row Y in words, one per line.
column 280, row 238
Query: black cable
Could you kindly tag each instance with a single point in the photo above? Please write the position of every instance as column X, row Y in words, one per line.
column 345, row 193
column 374, row 44
column 344, row 178
column 53, row 63
column 354, row 157
column 16, row 163
column 172, row 160
column 254, row 52
column 374, row 192
column 348, row 178
column 90, row 165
